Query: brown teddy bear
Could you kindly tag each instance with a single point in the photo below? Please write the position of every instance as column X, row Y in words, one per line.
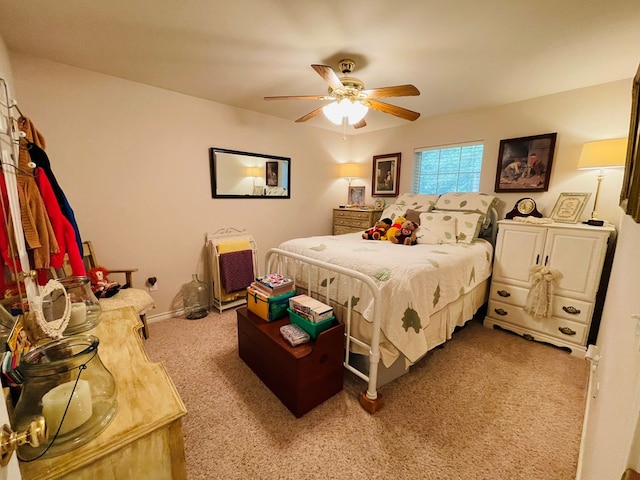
column 406, row 235
column 378, row 231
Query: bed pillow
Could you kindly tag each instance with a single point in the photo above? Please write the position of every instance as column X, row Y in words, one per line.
column 394, row 210
column 436, row 228
column 413, row 216
column 478, row 202
column 417, row 201
column 468, row 224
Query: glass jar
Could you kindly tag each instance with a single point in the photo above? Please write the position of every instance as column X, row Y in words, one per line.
column 85, row 307
column 64, row 374
column 196, row 299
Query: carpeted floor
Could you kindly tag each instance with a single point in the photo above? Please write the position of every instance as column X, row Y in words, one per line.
column 489, row 405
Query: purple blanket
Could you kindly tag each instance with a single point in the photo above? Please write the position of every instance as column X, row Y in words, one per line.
column 236, row 270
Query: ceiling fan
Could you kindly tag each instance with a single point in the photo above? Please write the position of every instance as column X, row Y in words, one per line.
column 350, row 100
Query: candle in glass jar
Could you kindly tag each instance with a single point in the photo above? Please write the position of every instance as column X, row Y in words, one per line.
column 78, row 314
column 55, row 401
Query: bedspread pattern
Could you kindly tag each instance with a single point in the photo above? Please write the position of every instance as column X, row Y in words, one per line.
column 414, row 281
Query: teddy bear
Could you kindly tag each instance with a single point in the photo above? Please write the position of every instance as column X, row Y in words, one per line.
column 407, row 234
column 396, row 225
column 378, row 231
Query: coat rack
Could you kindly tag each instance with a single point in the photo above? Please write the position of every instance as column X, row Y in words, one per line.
column 10, row 137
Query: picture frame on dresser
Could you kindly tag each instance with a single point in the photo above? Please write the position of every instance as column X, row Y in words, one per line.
column 385, row 180
column 356, row 196
column 524, row 163
column 569, row 207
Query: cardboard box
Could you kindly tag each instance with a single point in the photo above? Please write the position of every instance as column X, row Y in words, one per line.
column 309, row 307
column 267, row 307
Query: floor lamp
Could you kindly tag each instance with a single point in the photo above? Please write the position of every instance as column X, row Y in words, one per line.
column 601, row 155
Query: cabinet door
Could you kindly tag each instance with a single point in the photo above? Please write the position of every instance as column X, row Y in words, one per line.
column 518, row 247
column 579, row 256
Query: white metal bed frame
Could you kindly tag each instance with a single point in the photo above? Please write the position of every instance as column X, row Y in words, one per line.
column 275, row 261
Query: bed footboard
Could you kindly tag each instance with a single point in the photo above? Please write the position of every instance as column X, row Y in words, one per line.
column 315, row 278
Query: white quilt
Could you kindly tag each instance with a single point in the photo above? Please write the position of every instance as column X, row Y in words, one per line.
column 414, row 281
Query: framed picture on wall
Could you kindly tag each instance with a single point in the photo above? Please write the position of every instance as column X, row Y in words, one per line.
column 386, row 175
column 271, row 174
column 569, row 207
column 356, row 196
column 524, row 164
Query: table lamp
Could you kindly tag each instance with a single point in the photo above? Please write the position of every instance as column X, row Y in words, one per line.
column 601, row 155
column 349, row 171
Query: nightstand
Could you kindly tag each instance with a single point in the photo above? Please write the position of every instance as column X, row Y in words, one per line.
column 353, row 219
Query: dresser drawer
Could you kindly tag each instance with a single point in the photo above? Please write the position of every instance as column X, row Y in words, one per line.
column 563, row 307
column 566, row 330
column 339, row 230
column 352, row 222
column 351, row 214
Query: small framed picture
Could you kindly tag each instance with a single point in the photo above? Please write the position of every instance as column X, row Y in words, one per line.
column 569, row 207
column 386, row 175
column 272, row 174
column 356, row 196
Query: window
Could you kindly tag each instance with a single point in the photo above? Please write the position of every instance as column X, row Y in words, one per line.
column 447, row 168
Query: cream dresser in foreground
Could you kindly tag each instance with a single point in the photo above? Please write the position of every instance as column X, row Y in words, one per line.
column 577, row 251
column 144, row 441
column 353, row 219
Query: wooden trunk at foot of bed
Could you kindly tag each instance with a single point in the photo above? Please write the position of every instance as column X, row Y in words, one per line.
column 302, row 377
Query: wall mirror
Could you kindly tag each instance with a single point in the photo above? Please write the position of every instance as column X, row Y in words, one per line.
column 236, row 174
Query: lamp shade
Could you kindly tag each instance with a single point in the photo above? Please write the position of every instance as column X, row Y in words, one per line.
column 349, row 170
column 353, row 111
column 603, row 154
column 254, row 172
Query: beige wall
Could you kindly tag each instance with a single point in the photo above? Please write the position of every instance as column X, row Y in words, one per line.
column 133, row 161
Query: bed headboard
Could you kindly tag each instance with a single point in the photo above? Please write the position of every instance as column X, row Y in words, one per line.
column 490, row 233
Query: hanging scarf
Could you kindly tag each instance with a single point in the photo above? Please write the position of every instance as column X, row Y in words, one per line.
column 540, row 297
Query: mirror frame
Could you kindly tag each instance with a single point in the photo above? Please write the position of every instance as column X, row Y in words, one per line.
column 247, row 159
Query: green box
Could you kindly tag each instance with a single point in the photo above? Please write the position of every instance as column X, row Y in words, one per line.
column 313, row 329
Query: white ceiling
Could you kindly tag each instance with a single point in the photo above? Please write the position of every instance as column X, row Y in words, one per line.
column 461, row 54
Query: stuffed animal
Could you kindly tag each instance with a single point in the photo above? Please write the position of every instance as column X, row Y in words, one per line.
column 100, row 284
column 378, row 231
column 406, row 235
column 395, row 226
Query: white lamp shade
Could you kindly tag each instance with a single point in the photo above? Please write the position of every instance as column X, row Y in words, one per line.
column 353, row 111
column 349, row 170
column 603, row 154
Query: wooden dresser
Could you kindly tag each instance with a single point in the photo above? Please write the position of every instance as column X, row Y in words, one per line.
column 145, row 440
column 578, row 253
column 348, row 220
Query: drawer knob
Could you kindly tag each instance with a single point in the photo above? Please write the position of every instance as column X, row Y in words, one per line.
column 571, row 310
column 503, row 293
column 567, row 331
column 500, row 311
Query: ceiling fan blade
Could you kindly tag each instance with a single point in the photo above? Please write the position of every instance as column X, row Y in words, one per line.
column 360, row 124
column 396, row 91
column 309, row 115
column 329, row 76
column 299, row 97
column 392, row 109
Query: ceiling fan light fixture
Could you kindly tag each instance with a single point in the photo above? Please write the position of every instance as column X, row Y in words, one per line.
column 353, row 111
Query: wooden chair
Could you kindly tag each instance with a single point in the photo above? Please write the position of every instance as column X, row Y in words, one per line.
column 136, row 297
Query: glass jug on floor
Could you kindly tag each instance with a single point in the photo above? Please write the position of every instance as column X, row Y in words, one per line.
column 196, row 299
